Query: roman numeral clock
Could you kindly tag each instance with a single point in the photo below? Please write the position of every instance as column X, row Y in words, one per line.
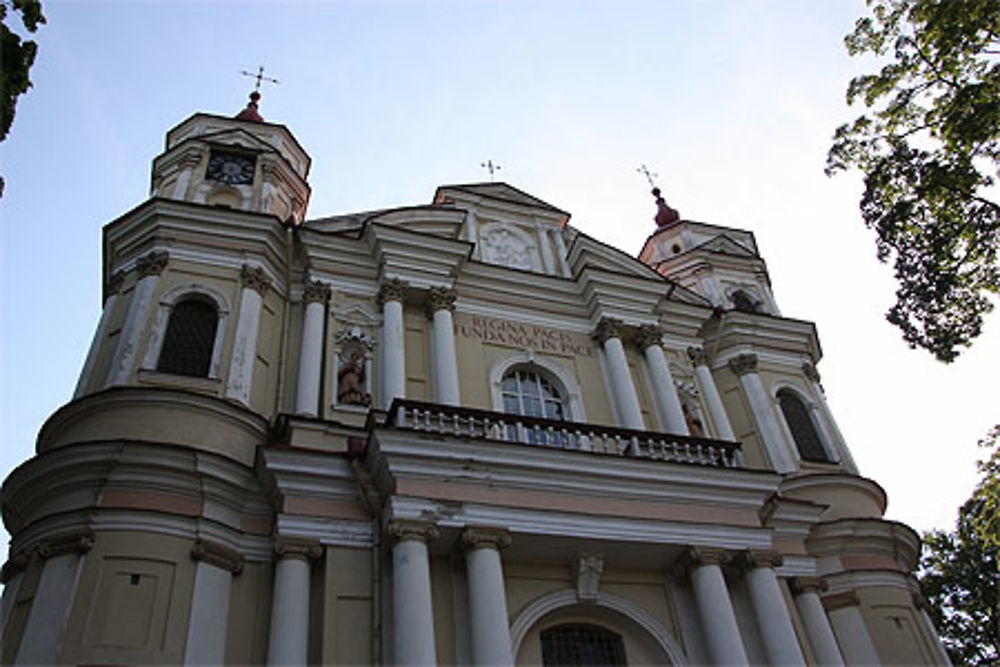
column 230, row 168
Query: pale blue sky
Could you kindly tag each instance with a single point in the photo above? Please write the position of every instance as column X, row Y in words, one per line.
column 732, row 103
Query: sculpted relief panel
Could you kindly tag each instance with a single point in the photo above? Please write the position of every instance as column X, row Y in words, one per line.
column 506, row 245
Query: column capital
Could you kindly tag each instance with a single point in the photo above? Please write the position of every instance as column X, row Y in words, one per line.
column 800, row 585
column 478, row 537
column 218, row 555
column 316, row 291
column 698, row 356
column 695, row 557
column 152, row 264
column 648, row 336
column 297, row 547
column 607, row 328
column 79, row 542
column 440, row 298
column 14, row 565
column 115, row 283
column 391, row 290
column 742, row 364
column 412, row 529
column 752, row 559
column 840, row 601
column 254, row 278
column 810, row 372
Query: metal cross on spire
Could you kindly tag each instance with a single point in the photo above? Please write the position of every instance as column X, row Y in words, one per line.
column 259, row 76
column 648, row 174
column 489, row 166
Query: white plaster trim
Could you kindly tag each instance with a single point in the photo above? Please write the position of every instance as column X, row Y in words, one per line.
column 330, row 532
column 171, row 298
column 551, row 602
column 564, row 381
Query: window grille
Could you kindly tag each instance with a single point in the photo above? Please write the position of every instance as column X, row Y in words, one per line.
column 582, row 645
column 528, row 394
column 804, row 432
column 189, row 340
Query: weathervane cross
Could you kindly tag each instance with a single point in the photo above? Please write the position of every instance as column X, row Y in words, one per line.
column 259, row 76
column 489, row 166
column 648, row 174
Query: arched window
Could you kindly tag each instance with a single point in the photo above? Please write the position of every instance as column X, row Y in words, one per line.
column 189, row 339
column 529, row 394
column 744, row 302
column 581, row 645
column 800, row 423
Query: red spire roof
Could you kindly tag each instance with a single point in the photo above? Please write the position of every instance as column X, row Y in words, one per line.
column 664, row 214
column 251, row 113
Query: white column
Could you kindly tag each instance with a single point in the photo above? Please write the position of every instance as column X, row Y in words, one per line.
column 715, row 608
column 837, row 437
column 745, row 366
column 288, row 640
column 608, row 334
column 10, row 588
column 775, row 623
column 240, row 382
column 111, row 299
column 149, row 268
column 393, row 342
column 824, row 644
column 188, row 164
column 209, row 618
column 850, row 630
column 561, row 257
column 43, row 633
column 440, row 303
column 413, row 612
column 664, row 388
column 314, row 297
column 487, row 596
column 716, row 410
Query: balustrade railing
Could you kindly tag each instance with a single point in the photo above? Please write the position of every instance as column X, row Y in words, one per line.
column 577, row 436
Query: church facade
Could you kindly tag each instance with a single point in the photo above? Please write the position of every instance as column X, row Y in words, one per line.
column 461, row 432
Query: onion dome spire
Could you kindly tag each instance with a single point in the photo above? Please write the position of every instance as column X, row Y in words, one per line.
column 664, row 214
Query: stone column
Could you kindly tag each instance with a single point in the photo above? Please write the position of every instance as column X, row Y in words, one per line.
column 780, row 643
column 11, row 576
column 715, row 608
column 288, row 640
column 850, row 630
column 824, row 644
column 664, row 388
column 43, row 633
column 440, row 304
column 413, row 612
column 188, row 164
column 209, row 619
column 149, row 269
column 716, row 410
column 255, row 286
column 487, row 595
column 609, row 335
column 745, row 366
column 391, row 297
column 111, row 299
column 315, row 297
column 835, row 438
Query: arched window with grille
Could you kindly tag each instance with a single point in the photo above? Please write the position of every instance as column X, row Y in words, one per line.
column 800, row 423
column 189, row 339
column 582, row 645
column 529, row 394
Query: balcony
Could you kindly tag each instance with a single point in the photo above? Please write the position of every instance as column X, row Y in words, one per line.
column 573, row 436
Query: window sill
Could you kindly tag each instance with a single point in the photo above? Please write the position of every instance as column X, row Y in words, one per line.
column 197, row 384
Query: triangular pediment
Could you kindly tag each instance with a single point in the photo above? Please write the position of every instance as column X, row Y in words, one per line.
column 726, row 246
column 498, row 191
column 237, row 137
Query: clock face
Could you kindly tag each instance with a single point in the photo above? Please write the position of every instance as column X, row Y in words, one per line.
column 231, row 169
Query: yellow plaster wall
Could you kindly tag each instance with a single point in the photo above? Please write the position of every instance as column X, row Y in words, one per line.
column 895, row 627
column 347, row 607
column 249, row 615
column 417, row 342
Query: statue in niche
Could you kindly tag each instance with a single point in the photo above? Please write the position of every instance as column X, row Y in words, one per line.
column 694, row 424
column 351, row 379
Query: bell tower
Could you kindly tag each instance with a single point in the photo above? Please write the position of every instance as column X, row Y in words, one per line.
column 243, row 163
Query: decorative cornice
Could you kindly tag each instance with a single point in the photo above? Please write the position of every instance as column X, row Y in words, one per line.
column 840, row 601
column 752, row 559
column 480, row 537
column 254, row 278
column 440, row 298
column 297, row 547
column 392, row 290
column 810, row 372
column 14, row 565
column 218, row 555
column 79, row 542
column 115, row 283
column 406, row 529
column 607, row 328
column 802, row 585
column 698, row 356
column 743, row 364
column 695, row 557
column 316, row 292
column 152, row 264
column 648, row 336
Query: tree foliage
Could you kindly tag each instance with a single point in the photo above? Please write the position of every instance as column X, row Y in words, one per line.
column 929, row 147
column 987, row 522
column 16, row 58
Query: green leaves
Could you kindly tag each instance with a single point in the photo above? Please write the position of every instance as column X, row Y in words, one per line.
column 17, row 57
column 929, row 147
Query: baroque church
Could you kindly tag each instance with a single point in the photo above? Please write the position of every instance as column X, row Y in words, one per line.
column 458, row 432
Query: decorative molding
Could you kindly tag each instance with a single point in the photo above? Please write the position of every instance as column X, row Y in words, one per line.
column 800, row 585
column 14, row 566
column 648, row 336
column 440, row 298
column 297, row 547
column 698, row 356
column 152, row 264
column 742, row 364
column 752, row 559
column 840, row 601
column 115, row 283
column 78, row 542
column 588, row 570
column 218, row 555
column 407, row 529
column 255, row 279
column 354, row 333
column 607, row 328
column 481, row 537
column 810, row 372
column 391, row 290
column 316, row 292
column 695, row 557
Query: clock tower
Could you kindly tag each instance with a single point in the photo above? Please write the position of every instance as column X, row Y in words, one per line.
column 242, row 163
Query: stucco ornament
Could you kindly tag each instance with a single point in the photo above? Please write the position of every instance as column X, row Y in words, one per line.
column 500, row 246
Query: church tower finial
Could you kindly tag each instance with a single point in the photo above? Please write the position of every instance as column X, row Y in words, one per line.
column 664, row 214
column 252, row 112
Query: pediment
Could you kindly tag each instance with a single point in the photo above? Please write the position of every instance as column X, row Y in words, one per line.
column 723, row 244
column 587, row 251
column 499, row 191
column 237, row 137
